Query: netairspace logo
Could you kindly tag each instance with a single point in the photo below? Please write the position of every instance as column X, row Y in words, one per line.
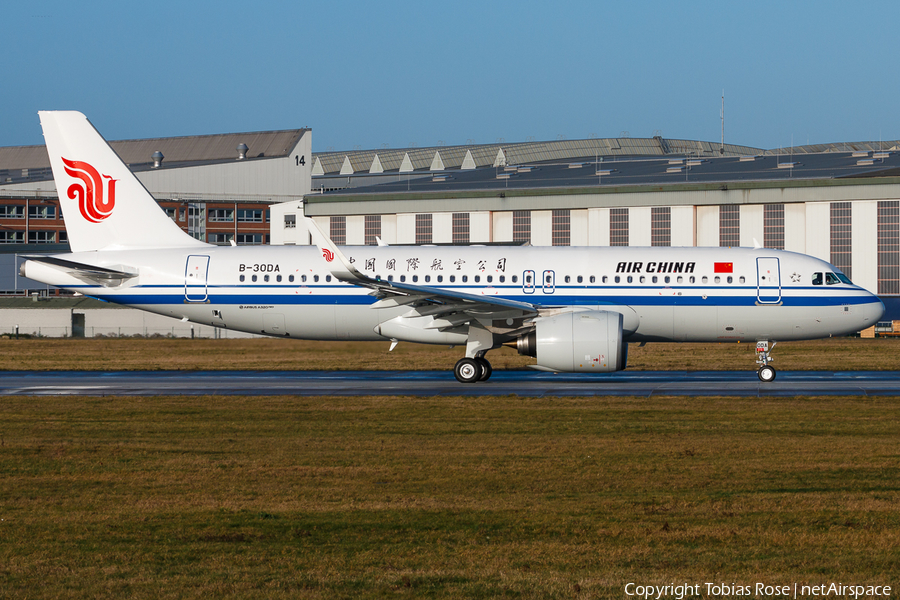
column 756, row 590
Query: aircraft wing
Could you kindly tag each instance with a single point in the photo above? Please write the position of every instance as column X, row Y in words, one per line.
column 87, row 273
column 448, row 308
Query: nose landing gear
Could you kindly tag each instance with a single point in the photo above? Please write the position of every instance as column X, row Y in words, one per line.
column 766, row 372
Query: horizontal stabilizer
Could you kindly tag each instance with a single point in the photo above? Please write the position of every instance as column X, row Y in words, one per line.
column 87, row 273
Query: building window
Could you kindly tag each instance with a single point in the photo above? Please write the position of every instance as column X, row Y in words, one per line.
column 250, row 215
column 249, row 239
column 222, row 239
column 372, row 229
column 41, row 237
column 773, row 226
column 661, row 226
column 840, row 236
column 522, row 226
column 197, row 220
column 889, row 247
column 730, row 225
column 461, row 228
column 12, row 211
column 12, row 237
column 290, row 221
column 618, row 227
column 221, row 215
column 561, row 228
column 338, row 230
column 172, row 213
column 41, row 211
column 423, row 229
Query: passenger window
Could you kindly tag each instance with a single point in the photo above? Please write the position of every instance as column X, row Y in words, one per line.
column 315, row 278
column 242, row 277
column 303, row 278
column 427, row 278
column 655, row 279
column 643, row 279
column 630, row 279
column 403, row 279
column 742, row 279
column 515, row 278
column 693, row 279
column 680, row 279
column 440, row 278
column 502, row 278
column 528, row 279
column 478, row 279
column 618, row 279
column 265, row 278
column 452, row 278
column 605, row 279
column 465, row 278
column 278, row 278
column 831, row 279
column 594, row 279
column 291, row 278
column 568, row 279
column 415, row 279
column 705, row 279
column 253, row 278
column 580, row 279
column 669, row 279
column 390, row 277
column 730, row 279
column 490, row 278
column 817, row 279
column 718, row 279
column 549, row 278
column 328, row 278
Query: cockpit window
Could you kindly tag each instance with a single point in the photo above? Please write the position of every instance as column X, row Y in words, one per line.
column 831, row 279
column 843, row 278
column 817, row 279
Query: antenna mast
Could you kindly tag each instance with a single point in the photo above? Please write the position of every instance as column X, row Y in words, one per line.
column 722, row 147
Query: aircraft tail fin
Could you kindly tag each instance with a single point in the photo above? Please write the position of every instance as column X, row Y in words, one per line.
column 104, row 205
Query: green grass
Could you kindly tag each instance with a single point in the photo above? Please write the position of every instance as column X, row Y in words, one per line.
column 42, row 354
column 442, row 498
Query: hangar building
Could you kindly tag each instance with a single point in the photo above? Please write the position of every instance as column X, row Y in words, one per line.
column 839, row 202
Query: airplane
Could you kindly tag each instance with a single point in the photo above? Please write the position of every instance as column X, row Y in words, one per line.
column 575, row 309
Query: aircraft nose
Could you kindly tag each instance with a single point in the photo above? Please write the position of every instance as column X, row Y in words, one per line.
column 871, row 312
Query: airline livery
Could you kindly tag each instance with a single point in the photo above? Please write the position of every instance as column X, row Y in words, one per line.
column 573, row 309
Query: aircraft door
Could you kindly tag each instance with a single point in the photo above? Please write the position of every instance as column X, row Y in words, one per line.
column 195, row 274
column 528, row 282
column 768, row 283
column 549, row 282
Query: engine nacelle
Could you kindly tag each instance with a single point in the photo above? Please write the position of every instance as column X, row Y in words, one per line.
column 585, row 342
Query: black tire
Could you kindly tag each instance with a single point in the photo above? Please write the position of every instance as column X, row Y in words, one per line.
column 766, row 374
column 467, row 370
column 486, row 369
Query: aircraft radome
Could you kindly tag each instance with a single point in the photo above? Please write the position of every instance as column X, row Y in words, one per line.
column 573, row 309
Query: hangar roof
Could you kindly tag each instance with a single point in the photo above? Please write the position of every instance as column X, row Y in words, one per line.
column 593, row 172
column 178, row 151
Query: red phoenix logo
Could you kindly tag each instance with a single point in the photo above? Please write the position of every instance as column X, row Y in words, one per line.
column 94, row 204
column 327, row 254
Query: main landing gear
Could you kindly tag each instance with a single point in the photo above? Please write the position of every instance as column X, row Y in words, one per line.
column 470, row 370
column 766, row 372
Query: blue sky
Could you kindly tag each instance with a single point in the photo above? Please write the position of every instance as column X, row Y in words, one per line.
column 368, row 74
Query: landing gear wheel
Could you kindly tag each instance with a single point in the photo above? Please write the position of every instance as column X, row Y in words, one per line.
column 486, row 369
column 467, row 370
column 766, row 374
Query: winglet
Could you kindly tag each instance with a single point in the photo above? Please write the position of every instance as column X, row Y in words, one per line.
column 756, row 244
column 342, row 269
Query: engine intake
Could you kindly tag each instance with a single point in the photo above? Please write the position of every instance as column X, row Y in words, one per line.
column 585, row 342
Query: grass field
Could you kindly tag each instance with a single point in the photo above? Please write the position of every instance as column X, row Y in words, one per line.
column 290, row 497
column 837, row 354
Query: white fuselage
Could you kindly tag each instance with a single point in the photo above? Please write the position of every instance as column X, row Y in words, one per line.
column 664, row 294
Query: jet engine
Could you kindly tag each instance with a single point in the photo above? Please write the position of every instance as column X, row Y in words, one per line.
column 585, row 342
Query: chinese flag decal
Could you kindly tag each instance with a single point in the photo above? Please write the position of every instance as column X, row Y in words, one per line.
column 723, row 267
